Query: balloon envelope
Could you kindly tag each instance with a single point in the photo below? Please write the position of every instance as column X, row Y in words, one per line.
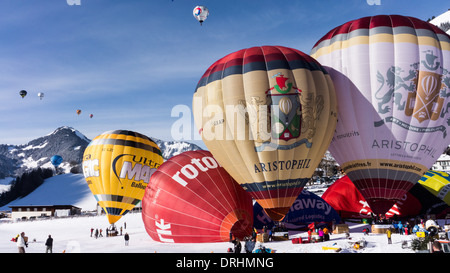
column 392, row 80
column 78, row 112
column 200, row 13
column 438, row 183
column 346, row 199
column 56, row 160
column 40, row 95
column 267, row 114
column 23, row 93
column 117, row 166
column 307, row 208
column 192, row 199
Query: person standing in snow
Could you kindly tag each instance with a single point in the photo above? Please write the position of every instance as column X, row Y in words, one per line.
column 237, row 245
column 249, row 245
column 49, row 244
column 389, row 233
column 127, row 238
column 320, row 233
column 400, row 227
column 21, row 243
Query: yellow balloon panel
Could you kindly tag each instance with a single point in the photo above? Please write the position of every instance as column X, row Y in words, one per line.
column 267, row 114
column 117, row 166
column 437, row 183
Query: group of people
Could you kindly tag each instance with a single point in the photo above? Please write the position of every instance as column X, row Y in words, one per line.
column 319, row 234
column 111, row 231
column 97, row 233
column 22, row 242
column 249, row 245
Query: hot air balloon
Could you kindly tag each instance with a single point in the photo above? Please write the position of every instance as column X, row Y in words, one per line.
column 23, row 93
column 78, row 112
column 56, row 160
column 40, row 95
column 345, row 198
column 117, row 166
column 201, row 13
column 91, row 115
column 192, row 199
column 392, row 79
column 267, row 114
column 308, row 208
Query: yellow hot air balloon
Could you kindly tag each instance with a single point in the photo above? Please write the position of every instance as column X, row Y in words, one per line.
column 267, row 114
column 117, row 166
column 438, row 183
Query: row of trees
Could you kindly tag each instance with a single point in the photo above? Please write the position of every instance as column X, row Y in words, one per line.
column 25, row 184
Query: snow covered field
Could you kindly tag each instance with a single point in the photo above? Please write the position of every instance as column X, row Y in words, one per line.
column 73, row 235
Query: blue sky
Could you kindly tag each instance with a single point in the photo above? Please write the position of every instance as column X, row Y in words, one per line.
column 130, row 62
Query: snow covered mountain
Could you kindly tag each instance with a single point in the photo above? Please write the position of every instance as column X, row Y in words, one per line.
column 172, row 148
column 442, row 21
column 70, row 144
column 64, row 141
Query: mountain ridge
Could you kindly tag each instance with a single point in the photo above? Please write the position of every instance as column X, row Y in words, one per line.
column 70, row 144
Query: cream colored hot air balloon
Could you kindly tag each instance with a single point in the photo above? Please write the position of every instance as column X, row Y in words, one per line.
column 392, row 81
column 267, row 114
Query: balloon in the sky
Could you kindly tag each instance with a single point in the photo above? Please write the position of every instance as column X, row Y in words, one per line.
column 437, row 183
column 201, row 13
column 267, row 114
column 23, row 93
column 192, row 199
column 91, row 115
column 56, row 160
column 78, row 112
column 392, row 79
column 40, row 95
column 117, row 166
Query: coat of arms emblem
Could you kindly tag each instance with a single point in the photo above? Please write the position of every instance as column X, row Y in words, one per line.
column 419, row 93
column 286, row 109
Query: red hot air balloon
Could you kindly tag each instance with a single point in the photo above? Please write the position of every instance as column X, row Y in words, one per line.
column 192, row 199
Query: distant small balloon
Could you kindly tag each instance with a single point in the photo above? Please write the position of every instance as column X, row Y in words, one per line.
column 56, row 160
column 78, row 111
column 201, row 13
column 23, row 93
column 40, row 95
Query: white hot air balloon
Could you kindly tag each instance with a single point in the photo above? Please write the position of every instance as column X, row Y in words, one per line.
column 201, row 13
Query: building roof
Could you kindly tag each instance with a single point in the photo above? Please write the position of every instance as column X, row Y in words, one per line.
column 44, row 206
